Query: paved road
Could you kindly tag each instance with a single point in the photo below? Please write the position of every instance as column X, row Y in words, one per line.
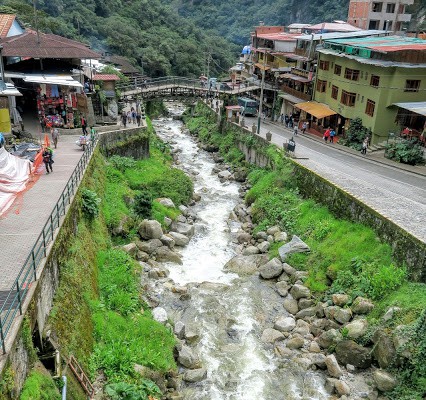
column 396, row 193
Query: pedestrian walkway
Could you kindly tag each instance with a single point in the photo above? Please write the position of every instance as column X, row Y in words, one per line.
column 396, row 191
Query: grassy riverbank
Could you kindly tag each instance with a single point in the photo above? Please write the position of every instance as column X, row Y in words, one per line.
column 345, row 257
column 98, row 313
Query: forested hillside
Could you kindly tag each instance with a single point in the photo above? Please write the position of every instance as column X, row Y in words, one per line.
column 145, row 31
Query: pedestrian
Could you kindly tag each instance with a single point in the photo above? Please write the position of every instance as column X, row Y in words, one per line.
column 326, row 135
column 295, row 129
column 55, row 136
column 282, row 118
column 43, row 124
column 290, row 121
column 138, row 118
column 304, row 126
column 332, row 135
column 286, row 120
column 364, row 146
column 129, row 117
column 84, row 125
column 133, row 116
column 47, row 159
column 124, row 118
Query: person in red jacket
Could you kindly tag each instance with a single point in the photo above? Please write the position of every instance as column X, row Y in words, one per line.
column 327, row 134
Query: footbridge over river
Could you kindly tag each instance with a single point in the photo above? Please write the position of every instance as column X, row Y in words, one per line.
column 173, row 86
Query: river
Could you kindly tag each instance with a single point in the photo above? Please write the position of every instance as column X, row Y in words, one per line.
column 228, row 313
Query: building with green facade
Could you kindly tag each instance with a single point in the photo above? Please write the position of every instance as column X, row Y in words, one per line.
column 374, row 78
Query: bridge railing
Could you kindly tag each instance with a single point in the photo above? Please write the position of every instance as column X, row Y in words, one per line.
column 28, row 274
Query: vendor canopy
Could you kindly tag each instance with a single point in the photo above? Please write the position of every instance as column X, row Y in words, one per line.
column 318, row 110
column 44, row 45
column 52, row 79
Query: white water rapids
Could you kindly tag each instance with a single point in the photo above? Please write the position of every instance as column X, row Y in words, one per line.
column 228, row 312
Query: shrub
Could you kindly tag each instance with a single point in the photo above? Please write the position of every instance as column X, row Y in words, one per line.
column 173, row 184
column 127, row 391
column 405, row 151
column 143, row 204
column 90, row 204
column 122, row 163
column 355, row 134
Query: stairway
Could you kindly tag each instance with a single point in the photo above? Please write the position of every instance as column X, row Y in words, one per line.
column 90, row 114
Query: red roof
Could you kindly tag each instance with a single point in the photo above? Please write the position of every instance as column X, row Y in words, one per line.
column 6, row 21
column 45, row 45
column 105, row 77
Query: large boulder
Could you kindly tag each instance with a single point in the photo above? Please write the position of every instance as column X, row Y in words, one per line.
column 333, row 367
column 168, row 241
column 270, row 335
column 240, row 174
column 131, row 249
column 164, row 254
column 195, row 375
column 183, row 228
column 272, row 269
column 362, row 305
column 245, row 265
column 149, row 246
column 300, row 291
column 188, row 358
column 384, row 349
column 179, row 238
column 224, row 175
column 330, row 338
column 356, row 328
column 285, row 324
column 384, row 380
column 295, row 245
column 250, row 250
column 166, row 202
column 243, row 237
column 150, row 229
column 349, row 352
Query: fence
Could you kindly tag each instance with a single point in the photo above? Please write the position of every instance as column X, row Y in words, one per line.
column 15, row 298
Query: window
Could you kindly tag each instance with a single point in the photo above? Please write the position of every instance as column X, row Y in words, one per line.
column 390, row 8
column 352, row 74
column 321, row 86
column 373, row 24
column 369, row 108
column 337, row 69
column 324, row 65
column 348, row 98
column 376, row 7
column 412, row 85
column 334, row 92
column 375, row 80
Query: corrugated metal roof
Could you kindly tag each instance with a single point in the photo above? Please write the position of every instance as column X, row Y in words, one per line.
column 334, row 27
column 416, row 107
column 337, row 35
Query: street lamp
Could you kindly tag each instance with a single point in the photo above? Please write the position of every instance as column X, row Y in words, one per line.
column 261, row 94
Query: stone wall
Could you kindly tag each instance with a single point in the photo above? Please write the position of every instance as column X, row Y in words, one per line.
column 126, row 143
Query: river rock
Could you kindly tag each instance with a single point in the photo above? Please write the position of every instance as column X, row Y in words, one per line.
column 349, row 352
column 263, row 247
column 384, row 349
column 188, row 358
column 195, row 375
column 243, row 237
column 362, row 305
column 250, row 250
column 179, row 330
column 160, row 315
column 389, row 314
column 149, row 246
column 291, row 306
column 183, row 228
column 273, row 230
column 330, row 338
column 240, row 174
column 150, row 229
column 131, row 249
column 318, row 326
column 166, row 202
column 245, row 265
column 333, row 367
column 285, row 324
column 305, row 303
column 300, row 291
column 314, row 348
column 164, row 254
column 384, row 380
column 179, row 238
column 340, row 299
column 270, row 335
column 183, row 209
column 296, row 245
column 168, row 241
column 356, row 328
column 342, row 388
column 280, row 237
column 167, row 221
column 296, row 342
column 302, row 327
column 142, row 256
column 224, row 175
column 343, row 315
column 318, row 359
column 306, row 312
column 288, row 269
column 271, row 269
column 282, row 288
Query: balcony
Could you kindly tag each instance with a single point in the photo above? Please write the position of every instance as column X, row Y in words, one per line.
column 300, row 72
column 296, row 93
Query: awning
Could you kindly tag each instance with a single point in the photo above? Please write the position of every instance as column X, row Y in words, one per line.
column 318, row 110
column 10, row 90
column 415, row 107
column 295, row 78
column 262, row 67
column 53, row 79
column 290, row 98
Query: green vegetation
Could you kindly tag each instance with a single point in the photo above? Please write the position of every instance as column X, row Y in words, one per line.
column 355, row 134
column 125, row 391
column 90, row 204
column 39, row 386
column 405, row 151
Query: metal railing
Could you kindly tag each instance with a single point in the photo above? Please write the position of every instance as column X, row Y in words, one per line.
column 16, row 296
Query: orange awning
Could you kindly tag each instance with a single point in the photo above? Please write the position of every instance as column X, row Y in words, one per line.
column 260, row 66
column 316, row 109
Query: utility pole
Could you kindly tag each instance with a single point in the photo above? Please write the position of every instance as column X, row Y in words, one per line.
column 36, row 20
column 261, row 94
